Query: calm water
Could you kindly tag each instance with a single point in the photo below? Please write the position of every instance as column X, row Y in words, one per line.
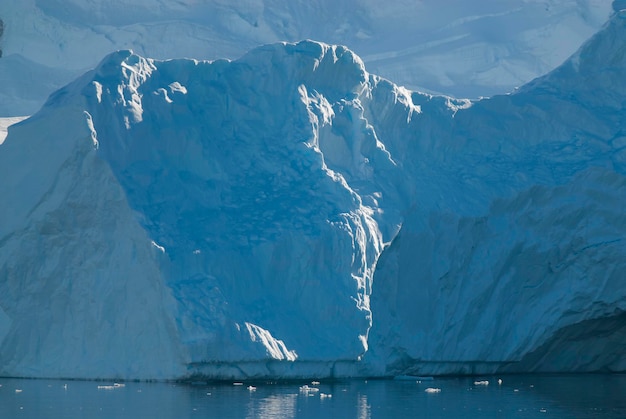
column 579, row 396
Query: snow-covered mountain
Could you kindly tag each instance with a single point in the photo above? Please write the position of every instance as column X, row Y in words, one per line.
column 466, row 49
column 289, row 214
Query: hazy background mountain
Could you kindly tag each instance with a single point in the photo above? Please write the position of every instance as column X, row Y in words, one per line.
column 464, row 49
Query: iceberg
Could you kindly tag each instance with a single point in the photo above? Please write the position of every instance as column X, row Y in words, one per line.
column 290, row 215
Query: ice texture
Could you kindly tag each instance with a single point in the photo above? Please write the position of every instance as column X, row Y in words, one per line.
column 289, row 214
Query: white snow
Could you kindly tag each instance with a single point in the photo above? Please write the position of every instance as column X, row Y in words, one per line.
column 276, row 349
column 289, row 214
column 5, row 123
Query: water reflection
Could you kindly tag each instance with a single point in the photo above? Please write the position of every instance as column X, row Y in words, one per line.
column 279, row 406
column 363, row 408
column 590, row 396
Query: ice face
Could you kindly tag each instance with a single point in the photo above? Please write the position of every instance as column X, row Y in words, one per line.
column 289, row 214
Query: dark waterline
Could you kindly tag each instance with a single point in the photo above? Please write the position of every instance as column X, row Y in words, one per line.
column 518, row 396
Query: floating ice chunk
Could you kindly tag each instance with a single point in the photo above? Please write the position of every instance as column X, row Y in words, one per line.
column 115, row 386
column 481, row 383
column 433, row 390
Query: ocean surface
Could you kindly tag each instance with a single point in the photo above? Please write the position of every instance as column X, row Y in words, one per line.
column 516, row 396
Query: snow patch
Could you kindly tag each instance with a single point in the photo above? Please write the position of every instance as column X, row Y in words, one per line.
column 92, row 130
column 5, row 123
column 276, row 349
column 177, row 87
column 157, row 246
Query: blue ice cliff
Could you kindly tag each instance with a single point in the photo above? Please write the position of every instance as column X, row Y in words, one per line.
column 289, row 214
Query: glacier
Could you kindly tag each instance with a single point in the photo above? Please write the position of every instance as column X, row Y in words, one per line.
column 289, row 214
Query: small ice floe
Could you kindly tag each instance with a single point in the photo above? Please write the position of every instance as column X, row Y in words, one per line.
column 325, row 396
column 115, row 386
column 433, row 390
column 315, row 383
column 18, row 390
column 64, row 386
column 237, row 384
column 481, row 383
column 307, row 389
column 251, row 388
column 499, row 381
